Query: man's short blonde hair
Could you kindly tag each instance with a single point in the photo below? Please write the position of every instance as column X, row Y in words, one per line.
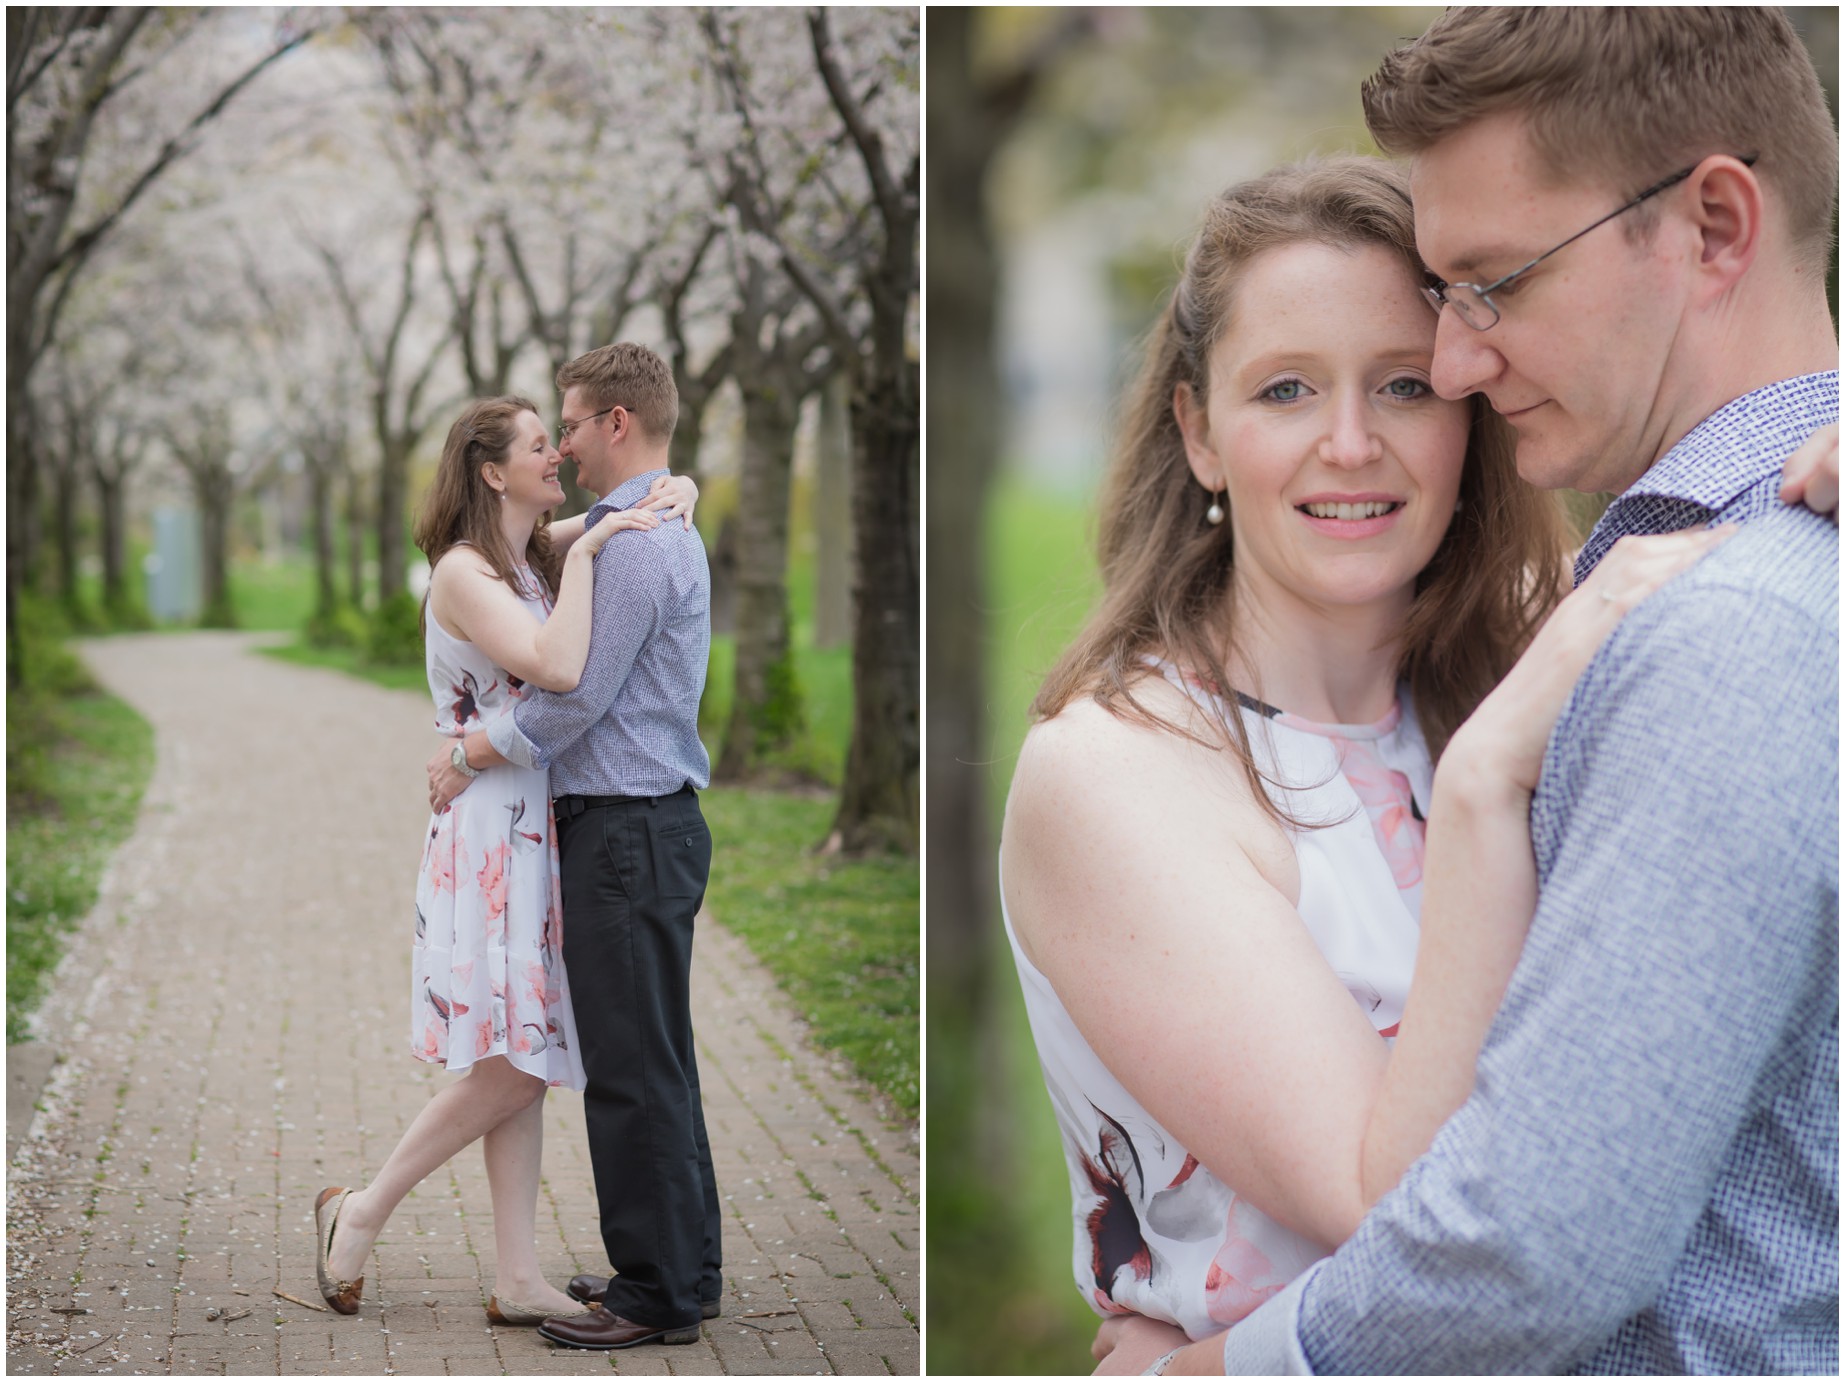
column 1627, row 93
column 629, row 376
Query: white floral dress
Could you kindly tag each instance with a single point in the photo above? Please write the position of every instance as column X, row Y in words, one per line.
column 1157, row 1233
column 487, row 973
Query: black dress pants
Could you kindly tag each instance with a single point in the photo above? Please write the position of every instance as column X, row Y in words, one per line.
column 633, row 874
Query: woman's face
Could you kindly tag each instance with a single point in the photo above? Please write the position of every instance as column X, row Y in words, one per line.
column 1342, row 465
column 528, row 474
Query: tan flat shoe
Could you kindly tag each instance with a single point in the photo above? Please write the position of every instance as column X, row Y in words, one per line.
column 511, row 1312
column 343, row 1296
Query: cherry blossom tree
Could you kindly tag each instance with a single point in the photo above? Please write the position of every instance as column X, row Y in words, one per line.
column 863, row 108
column 75, row 77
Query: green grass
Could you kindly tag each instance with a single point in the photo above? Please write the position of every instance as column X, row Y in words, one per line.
column 274, row 595
column 353, row 663
column 77, row 763
column 840, row 937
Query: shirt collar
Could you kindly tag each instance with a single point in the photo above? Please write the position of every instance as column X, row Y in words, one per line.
column 1742, row 442
column 624, row 496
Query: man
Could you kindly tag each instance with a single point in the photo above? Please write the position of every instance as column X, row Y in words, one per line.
column 634, row 856
column 1645, row 1179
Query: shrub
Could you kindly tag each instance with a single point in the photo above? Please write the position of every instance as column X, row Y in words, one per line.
column 341, row 626
column 392, row 637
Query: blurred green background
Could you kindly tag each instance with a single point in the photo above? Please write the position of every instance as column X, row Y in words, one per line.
column 1070, row 153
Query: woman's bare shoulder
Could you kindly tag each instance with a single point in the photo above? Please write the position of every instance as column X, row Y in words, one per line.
column 1090, row 760
column 461, row 565
column 1086, row 734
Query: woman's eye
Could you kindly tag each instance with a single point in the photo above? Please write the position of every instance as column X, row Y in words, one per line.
column 1407, row 387
column 1284, row 390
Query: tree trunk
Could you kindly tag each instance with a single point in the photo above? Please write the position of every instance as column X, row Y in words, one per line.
column 321, row 477
column 212, row 491
column 67, row 480
column 18, row 509
column 765, row 707
column 393, row 493
column 355, row 537
column 833, row 515
column 878, row 803
column 111, row 495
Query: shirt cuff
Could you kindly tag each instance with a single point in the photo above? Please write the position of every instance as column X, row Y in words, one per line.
column 505, row 736
column 1267, row 1341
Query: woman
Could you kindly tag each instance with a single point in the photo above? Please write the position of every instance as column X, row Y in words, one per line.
column 1215, row 853
column 489, row 996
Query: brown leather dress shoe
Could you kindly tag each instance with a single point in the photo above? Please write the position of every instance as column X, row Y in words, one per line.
column 591, row 1289
column 600, row 1329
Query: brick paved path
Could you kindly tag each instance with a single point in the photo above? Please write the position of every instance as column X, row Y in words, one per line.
column 233, row 1021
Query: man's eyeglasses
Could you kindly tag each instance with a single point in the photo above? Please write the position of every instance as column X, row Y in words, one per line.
column 1474, row 304
column 563, row 432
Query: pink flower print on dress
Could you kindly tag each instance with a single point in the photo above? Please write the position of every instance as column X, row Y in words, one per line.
column 483, row 1040
column 432, row 1043
column 1231, row 1288
column 442, row 852
column 492, row 880
column 1387, row 801
column 463, row 973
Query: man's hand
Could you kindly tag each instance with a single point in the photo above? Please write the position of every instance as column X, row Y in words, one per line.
column 1811, row 475
column 446, row 782
column 1127, row 1345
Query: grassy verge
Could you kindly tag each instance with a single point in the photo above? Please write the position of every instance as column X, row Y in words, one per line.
column 352, row 662
column 840, row 937
column 77, row 763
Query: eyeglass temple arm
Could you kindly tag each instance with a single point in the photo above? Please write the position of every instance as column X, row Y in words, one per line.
column 1747, row 160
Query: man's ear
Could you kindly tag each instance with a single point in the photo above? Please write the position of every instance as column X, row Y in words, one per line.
column 1726, row 208
column 621, row 423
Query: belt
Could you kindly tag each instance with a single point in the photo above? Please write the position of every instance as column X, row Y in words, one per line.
column 575, row 805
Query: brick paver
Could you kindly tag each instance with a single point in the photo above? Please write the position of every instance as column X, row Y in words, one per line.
column 233, row 1022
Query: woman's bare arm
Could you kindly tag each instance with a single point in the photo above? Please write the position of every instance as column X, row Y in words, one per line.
column 474, row 604
column 1162, row 911
column 671, row 496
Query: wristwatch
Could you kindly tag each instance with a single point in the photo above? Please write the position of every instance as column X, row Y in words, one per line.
column 458, row 757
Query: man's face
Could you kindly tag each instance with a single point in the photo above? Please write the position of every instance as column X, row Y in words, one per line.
column 1578, row 361
column 588, row 444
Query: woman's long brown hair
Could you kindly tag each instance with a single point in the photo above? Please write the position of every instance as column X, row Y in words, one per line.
column 1167, row 573
column 462, row 507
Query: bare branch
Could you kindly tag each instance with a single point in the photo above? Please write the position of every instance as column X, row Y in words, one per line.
column 86, row 241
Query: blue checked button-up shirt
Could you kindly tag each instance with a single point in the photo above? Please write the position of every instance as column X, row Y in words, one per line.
column 631, row 726
column 1646, row 1178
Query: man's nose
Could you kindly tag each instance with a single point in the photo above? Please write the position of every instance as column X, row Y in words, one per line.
column 1464, row 358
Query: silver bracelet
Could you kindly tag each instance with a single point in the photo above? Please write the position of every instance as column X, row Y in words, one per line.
column 1159, row 1367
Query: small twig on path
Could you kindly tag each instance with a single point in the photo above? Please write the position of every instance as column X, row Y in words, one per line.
column 238, row 1316
column 763, row 1314
column 298, row 1301
column 98, row 1343
column 69, row 1309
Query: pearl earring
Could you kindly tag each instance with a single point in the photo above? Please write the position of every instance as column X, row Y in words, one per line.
column 1215, row 514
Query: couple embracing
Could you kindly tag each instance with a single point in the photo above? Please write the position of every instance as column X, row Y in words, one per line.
column 1435, row 967
column 566, row 855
